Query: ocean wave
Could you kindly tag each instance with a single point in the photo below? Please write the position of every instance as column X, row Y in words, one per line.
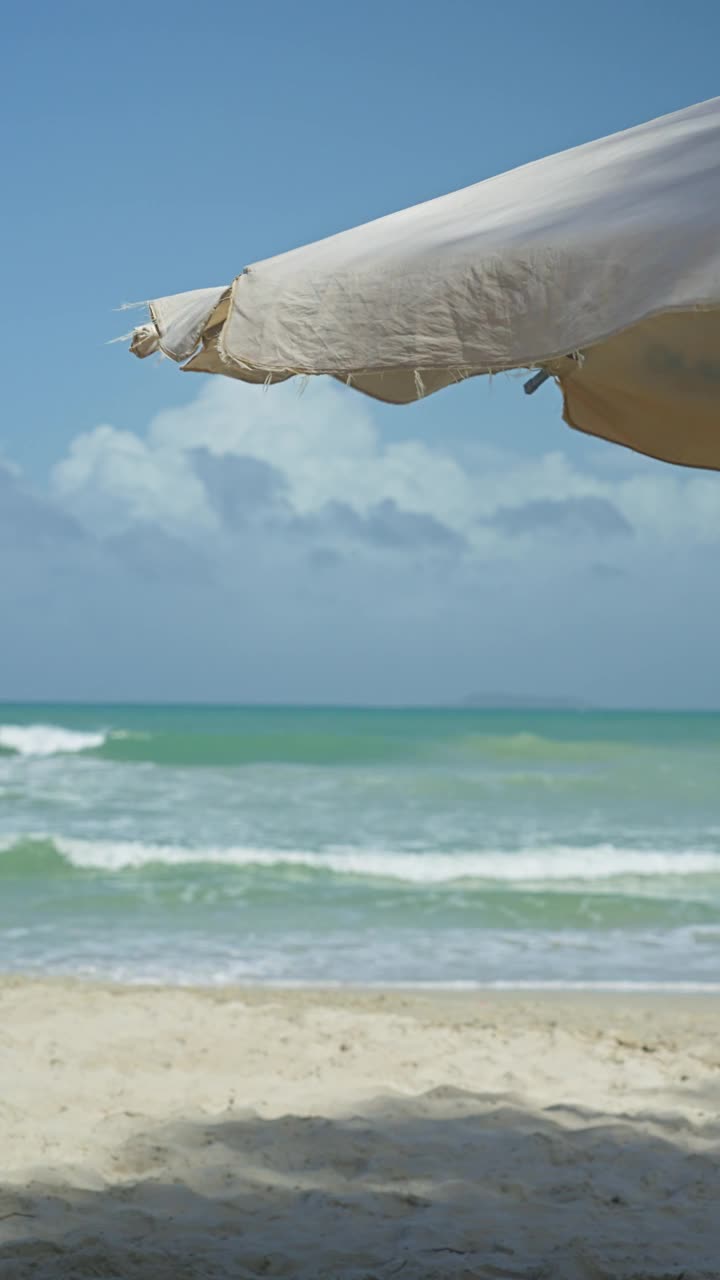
column 48, row 739
column 554, row 866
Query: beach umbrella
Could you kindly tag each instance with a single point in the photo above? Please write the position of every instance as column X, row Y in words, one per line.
column 598, row 267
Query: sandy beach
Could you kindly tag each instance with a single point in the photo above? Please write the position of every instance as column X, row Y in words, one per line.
column 174, row 1134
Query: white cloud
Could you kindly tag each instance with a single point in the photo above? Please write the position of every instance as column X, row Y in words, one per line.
column 326, row 447
column 112, row 479
column 267, row 545
column 324, row 442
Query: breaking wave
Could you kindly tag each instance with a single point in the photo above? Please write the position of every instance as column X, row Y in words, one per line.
column 47, row 740
column 547, row 866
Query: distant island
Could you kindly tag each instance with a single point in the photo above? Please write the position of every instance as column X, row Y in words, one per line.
column 514, row 702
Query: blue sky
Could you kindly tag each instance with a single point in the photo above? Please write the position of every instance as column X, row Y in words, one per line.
column 157, row 149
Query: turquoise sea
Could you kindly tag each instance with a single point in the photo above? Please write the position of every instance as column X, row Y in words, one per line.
column 277, row 845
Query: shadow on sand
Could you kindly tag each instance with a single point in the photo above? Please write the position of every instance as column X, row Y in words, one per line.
column 448, row 1184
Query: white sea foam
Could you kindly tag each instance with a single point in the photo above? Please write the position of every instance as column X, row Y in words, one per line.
column 559, row 864
column 47, row 739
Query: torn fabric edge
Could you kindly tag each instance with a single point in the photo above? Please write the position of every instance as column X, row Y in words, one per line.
column 210, row 323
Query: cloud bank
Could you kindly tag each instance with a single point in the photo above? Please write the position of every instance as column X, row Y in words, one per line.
column 272, row 546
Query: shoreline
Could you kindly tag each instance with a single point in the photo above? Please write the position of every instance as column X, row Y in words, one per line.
column 175, row 1133
column 459, row 987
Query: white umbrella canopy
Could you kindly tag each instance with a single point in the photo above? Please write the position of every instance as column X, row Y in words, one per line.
column 599, row 266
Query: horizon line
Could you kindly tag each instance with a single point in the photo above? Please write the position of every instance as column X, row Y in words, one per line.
column 561, row 706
